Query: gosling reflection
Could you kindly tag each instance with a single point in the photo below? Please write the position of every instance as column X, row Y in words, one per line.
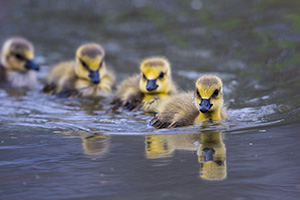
column 158, row 146
column 212, row 156
column 95, row 145
column 210, row 149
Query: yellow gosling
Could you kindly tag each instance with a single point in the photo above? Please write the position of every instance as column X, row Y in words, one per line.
column 17, row 68
column 86, row 76
column 184, row 109
column 147, row 90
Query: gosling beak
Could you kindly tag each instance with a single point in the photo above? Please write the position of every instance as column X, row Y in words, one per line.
column 205, row 105
column 151, row 85
column 95, row 76
column 31, row 65
column 208, row 154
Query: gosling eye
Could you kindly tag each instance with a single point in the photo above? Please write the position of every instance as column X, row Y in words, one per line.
column 144, row 76
column 19, row 57
column 198, row 94
column 216, row 92
column 84, row 64
column 161, row 75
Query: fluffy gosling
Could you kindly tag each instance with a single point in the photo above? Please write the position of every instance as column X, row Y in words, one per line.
column 86, row 76
column 147, row 90
column 17, row 68
column 183, row 109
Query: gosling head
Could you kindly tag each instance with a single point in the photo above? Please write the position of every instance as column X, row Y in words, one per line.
column 17, row 55
column 155, row 75
column 90, row 62
column 209, row 93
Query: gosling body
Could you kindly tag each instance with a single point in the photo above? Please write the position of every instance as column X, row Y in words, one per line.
column 206, row 104
column 86, row 76
column 17, row 68
column 147, row 90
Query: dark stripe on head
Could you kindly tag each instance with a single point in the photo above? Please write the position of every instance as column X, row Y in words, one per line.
column 154, row 63
column 20, row 45
column 208, row 80
column 92, row 51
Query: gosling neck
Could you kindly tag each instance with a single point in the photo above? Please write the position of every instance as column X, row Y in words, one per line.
column 155, row 96
column 209, row 116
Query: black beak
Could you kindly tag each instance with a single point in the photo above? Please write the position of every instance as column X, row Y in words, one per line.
column 205, row 105
column 151, row 85
column 95, row 77
column 208, row 154
column 32, row 65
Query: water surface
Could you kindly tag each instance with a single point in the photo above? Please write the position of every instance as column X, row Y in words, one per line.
column 79, row 149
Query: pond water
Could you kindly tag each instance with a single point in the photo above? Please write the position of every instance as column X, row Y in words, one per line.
column 79, row 149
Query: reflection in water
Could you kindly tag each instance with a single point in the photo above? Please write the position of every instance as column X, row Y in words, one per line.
column 92, row 144
column 212, row 156
column 158, row 146
column 96, row 145
column 210, row 149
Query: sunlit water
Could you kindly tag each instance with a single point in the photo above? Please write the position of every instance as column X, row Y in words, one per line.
column 79, row 149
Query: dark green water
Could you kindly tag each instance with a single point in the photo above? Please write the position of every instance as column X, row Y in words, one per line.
column 78, row 149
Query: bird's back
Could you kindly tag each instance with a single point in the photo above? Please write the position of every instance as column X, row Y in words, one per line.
column 179, row 110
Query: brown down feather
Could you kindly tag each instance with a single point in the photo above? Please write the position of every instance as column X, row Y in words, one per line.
column 177, row 111
column 129, row 96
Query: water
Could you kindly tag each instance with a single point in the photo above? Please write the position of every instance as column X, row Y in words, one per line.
column 79, row 149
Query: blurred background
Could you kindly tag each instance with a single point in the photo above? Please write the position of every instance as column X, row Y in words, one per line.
column 49, row 146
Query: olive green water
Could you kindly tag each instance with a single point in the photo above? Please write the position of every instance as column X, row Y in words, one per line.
column 79, row 149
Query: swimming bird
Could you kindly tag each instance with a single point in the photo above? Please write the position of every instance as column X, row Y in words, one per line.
column 85, row 76
column 17, row 68
column 148, row 89
column 206, row 104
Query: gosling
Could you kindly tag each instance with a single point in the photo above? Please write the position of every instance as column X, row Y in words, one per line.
column 147, row 90
column 17, row 68
column 183, row 110
column 87, row 76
